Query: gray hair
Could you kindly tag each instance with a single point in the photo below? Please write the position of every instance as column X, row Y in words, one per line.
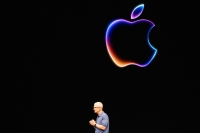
column 99, row 104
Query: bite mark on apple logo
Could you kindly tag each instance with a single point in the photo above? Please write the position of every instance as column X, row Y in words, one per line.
column 115, row 58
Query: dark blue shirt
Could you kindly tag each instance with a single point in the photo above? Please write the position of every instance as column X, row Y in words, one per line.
column 102, row 119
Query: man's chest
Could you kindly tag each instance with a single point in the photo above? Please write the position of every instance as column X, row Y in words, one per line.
column 98, row 120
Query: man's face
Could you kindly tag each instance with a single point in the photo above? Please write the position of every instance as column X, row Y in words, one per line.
column 97, row 108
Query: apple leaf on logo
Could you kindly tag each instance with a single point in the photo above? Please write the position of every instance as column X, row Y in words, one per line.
column 137, row 11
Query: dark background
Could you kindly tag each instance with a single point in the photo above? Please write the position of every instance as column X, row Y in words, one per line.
column 55, row 65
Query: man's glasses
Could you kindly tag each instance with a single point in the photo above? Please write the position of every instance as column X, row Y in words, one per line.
column 97, row 107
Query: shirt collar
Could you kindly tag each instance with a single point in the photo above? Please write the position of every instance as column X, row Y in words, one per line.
column 101, row 114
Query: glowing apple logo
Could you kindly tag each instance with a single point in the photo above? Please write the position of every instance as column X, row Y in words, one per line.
column 117, row 60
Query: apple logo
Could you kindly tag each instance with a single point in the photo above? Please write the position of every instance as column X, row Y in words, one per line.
column 115, row 57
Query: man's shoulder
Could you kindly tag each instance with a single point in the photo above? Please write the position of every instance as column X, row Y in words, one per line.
column 105, row 114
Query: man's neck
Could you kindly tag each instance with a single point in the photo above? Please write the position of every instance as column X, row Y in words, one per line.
column 99, row 112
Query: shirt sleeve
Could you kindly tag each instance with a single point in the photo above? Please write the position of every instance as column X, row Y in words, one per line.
column 105, row 121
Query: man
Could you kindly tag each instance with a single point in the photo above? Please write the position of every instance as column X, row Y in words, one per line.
column 101, row 124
